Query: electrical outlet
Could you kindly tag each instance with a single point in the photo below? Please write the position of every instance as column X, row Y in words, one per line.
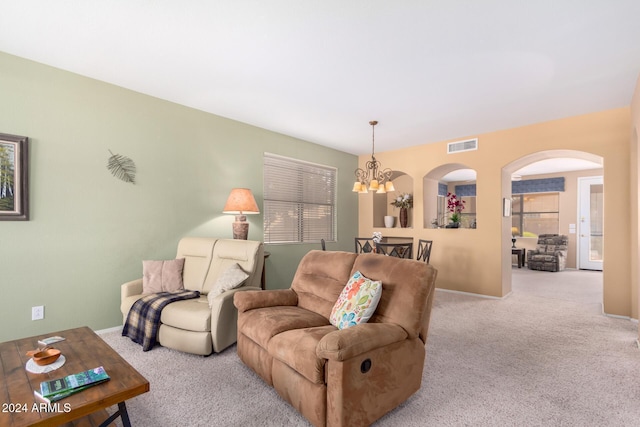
column 37, row 313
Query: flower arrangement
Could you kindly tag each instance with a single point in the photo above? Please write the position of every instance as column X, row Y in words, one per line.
column 455, row 207
column 377, row 237
column 404, row 200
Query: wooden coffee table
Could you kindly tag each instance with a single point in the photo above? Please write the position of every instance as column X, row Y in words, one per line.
column 83, row 350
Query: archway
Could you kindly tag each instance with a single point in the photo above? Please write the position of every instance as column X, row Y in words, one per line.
column 506, row 190
column 431, row 185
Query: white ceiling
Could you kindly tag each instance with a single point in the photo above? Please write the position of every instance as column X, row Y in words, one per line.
column 321, row 70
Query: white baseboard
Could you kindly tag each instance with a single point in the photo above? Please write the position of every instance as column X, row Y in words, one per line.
column 471, row 294
column 615, row 316
column 106, row 331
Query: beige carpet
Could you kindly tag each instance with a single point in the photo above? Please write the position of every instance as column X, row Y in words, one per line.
column 534, row 358
column 581, row 286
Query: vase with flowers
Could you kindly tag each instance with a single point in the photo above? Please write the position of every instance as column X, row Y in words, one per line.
column 404, row 201
column 455, row 207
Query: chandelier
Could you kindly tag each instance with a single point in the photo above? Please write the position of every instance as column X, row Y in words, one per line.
column 374, row 177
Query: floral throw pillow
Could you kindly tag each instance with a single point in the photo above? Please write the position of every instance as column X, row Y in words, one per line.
column 357, row 302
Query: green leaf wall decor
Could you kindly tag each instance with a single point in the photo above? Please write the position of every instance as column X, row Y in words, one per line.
column 122, row 168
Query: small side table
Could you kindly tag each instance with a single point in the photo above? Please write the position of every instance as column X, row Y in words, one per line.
column 264, row 265
column 520, row 253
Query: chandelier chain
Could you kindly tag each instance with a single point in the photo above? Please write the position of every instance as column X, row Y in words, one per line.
column 373, row 138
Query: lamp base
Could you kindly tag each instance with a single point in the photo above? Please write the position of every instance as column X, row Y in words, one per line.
column 240, row 227
column 513, row 243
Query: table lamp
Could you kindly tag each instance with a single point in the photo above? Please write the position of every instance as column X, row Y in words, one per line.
column 241, row 203
column 514, row 231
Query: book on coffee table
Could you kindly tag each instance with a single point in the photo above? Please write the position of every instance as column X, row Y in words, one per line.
column 60, row 388
column 50, row 340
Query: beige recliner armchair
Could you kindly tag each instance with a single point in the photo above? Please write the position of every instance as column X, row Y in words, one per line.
column 192, row 325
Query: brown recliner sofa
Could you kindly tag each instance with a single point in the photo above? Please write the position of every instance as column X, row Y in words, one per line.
column 348, row 377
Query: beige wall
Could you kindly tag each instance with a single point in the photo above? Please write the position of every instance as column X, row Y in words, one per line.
column 479, row 261
column 634, row 200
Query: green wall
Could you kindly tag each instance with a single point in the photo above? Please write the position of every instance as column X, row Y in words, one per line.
column 88, row 231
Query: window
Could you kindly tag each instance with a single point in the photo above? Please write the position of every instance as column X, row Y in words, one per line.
column 534, row 214
column 299, row 201
column 441, row 204
column 468, row 214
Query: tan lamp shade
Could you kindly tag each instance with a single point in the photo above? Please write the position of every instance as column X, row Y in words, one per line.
column 241, row 202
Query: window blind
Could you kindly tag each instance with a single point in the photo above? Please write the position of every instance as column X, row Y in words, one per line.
column 299, row 200
column 541, row 185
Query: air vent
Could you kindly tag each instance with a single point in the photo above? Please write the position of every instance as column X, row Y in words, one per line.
column 457, row 147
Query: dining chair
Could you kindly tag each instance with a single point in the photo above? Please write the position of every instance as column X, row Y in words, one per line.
column 400, row 250
column 364, row 245
column 424, row 250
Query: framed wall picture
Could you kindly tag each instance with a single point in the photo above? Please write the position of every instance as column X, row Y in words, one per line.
column 14, row 177
column 506, row 207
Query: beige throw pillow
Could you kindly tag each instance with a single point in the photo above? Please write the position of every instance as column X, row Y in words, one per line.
column 162, row 276
column 231, row 278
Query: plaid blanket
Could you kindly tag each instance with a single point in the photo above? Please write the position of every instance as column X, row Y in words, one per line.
column 143, row 319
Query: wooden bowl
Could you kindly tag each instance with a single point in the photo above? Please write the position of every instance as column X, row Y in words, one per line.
column 46, row 357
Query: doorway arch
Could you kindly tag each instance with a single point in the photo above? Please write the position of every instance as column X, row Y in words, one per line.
column 507, row 171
